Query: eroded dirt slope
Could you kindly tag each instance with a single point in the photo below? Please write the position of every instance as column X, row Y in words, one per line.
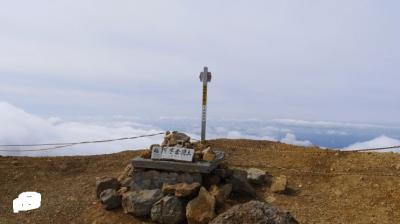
column 325, row 186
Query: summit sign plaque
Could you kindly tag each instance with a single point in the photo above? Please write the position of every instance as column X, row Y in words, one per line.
column 172, row 153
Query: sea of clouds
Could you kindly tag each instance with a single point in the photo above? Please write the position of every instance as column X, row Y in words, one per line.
column 21, row 127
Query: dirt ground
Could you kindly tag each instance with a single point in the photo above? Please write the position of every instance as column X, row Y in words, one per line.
column 324, row 186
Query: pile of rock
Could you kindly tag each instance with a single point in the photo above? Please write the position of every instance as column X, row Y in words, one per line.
column 175, row 138
column 175, row 197
column 178, row 139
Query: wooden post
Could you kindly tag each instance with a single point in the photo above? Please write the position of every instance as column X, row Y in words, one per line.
column 205, row 77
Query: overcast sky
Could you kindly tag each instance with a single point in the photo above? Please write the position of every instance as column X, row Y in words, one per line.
column 311, row 60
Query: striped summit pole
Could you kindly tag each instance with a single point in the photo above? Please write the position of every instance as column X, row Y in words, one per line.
column 205, row 77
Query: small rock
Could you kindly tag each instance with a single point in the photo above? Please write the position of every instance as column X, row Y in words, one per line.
column 126, row 182
column 139, row 203
column 122, row 190
column 338, row 193
column 208, row 155
column 172, row 142
column 279, row 184
column 126, row 173
column 201, row 210
column 168, row 210
column 254, row 212
column 270, row 199
column 188, row 145
column 104, row 183
column 168, row 189
column 198, row 156
column 173, row 138
column 181, row 190
column 187, row 190
column 221, row 193
column 179, row 136
column 256, row 176
column 110, row 199
column 239, row 182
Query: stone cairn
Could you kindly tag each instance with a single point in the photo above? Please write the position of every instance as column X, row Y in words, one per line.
column 172, row 197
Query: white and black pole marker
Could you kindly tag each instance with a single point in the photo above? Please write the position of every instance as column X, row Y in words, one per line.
column 205, row 77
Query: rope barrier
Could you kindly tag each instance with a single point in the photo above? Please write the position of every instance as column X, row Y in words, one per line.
column 373, row 149
column 68, row 144
column 63, row 145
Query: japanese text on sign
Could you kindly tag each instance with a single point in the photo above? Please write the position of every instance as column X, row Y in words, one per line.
column 172, row 153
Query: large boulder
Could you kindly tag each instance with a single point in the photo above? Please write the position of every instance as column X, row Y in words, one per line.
column 254, row 212
column 110, row 199
column 239, row 182
column 201, row 210
column 139, row 203
column 221, row 193
column 279, row 184
column 256, row 176
column 168, row 210
column 104, row 183
column 181, row 190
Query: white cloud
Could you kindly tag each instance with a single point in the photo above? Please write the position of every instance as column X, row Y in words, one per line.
column 292, row 139
column 20, row 127
column 334, row 132
column 328, row 124
column 239, row 135
column 379, row 142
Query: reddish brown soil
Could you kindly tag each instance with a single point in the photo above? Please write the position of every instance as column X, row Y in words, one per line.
column 324, row 186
